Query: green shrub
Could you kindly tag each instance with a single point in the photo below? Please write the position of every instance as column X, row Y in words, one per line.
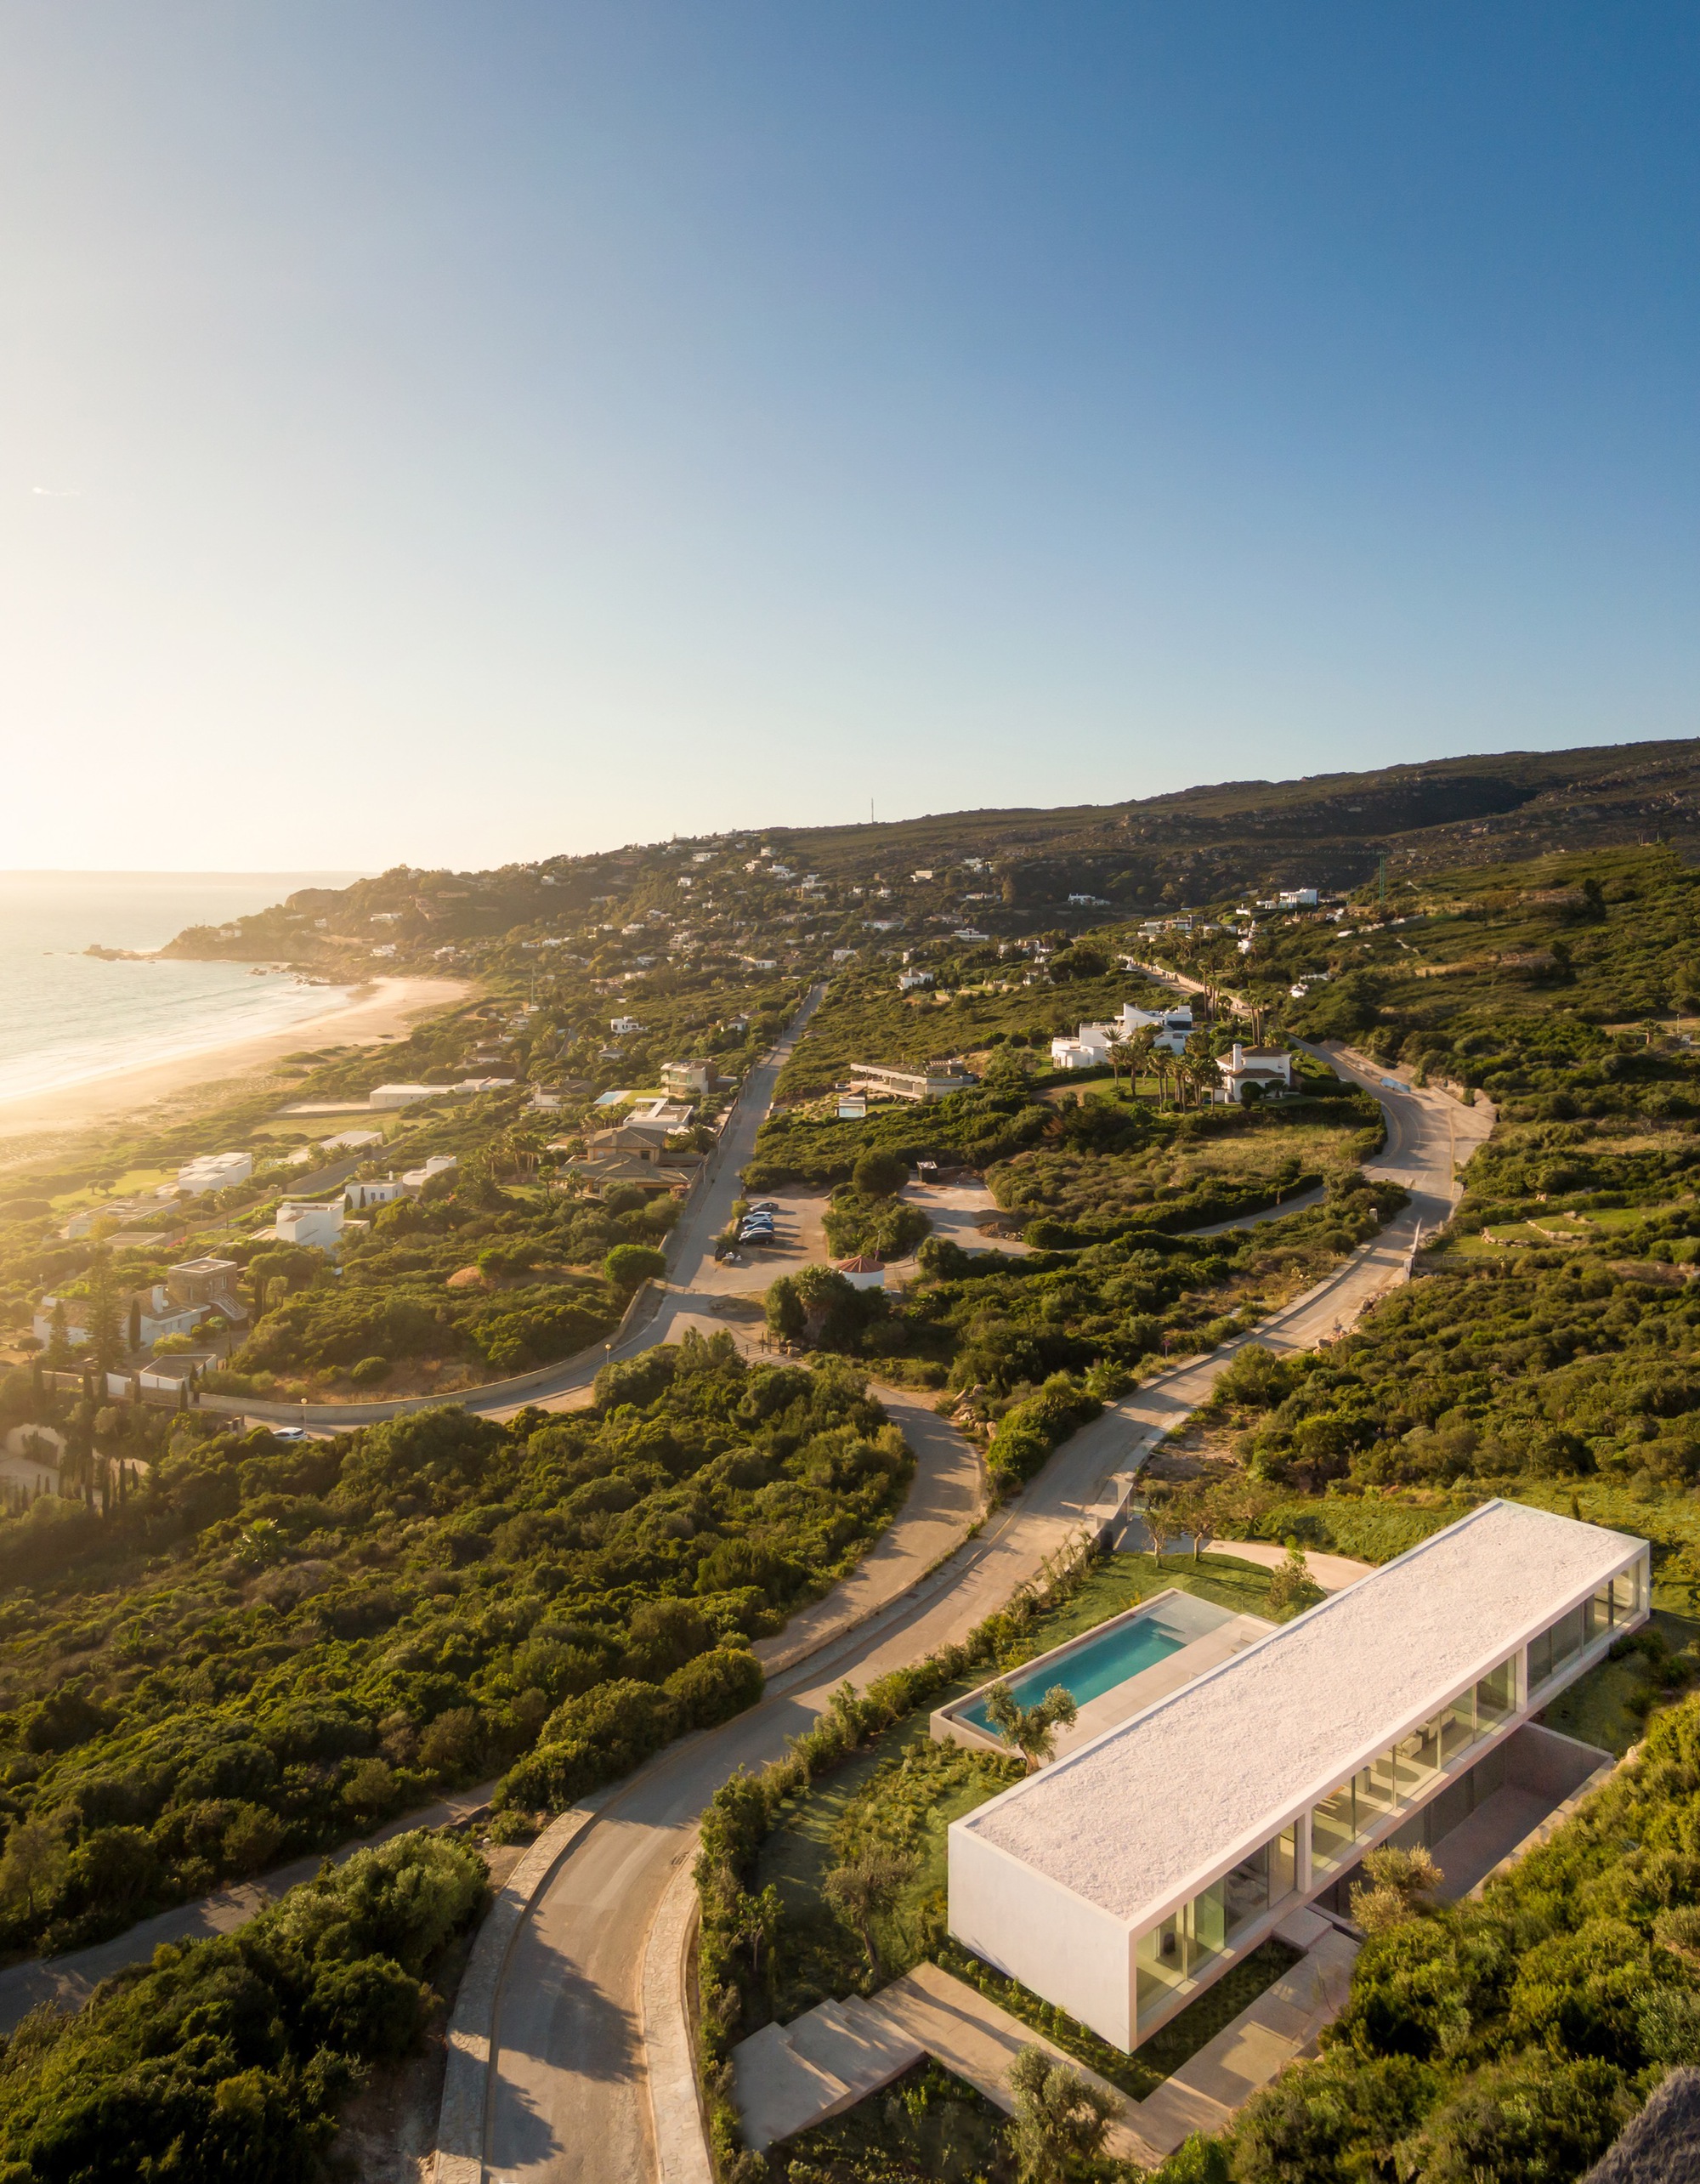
column 628, row 1264
column 368, row 1371
column 715, row 1686
column 1026, row 1434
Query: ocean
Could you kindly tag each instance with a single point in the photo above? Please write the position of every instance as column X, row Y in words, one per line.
column 66, row 1017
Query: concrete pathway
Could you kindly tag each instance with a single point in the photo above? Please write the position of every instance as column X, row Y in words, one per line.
column 789, row 2079
column 1333, row 1573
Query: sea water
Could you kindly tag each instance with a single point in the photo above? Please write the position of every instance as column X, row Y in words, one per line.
column 66, row 1017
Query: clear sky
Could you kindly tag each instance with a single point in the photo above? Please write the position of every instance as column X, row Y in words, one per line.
column 451, row 433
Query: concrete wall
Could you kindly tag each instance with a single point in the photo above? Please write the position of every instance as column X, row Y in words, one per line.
column 1043, row 1934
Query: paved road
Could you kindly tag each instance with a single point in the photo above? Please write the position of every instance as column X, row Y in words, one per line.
column 689, row 1248
column 566, row 2097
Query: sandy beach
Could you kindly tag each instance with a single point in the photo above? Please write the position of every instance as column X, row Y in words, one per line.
column 381, row 1009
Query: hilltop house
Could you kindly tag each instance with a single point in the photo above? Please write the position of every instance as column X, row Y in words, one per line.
column 1144, row 1863
column 315, row 1222
column 190, row 1293
column 376, row 1190
column 936, row 1082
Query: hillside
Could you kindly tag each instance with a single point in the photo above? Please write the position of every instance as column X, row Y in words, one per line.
column 1004, row 872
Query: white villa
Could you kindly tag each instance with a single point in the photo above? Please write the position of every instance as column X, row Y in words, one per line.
column 1269, row 1067
column 1089, row 1048
column 1145, row 1861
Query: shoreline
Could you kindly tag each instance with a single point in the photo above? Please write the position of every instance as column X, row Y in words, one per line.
column 377, row 1009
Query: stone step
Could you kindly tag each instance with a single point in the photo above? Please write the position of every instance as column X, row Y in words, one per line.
column 780, row 2091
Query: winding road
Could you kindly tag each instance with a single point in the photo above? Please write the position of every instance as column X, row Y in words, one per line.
column 565, row 2094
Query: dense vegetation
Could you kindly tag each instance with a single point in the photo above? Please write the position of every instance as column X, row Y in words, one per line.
column 228, row 2057
column 267, row 1649
column 997, row 1325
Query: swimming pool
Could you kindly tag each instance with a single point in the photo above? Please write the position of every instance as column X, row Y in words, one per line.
column 1095, row 1666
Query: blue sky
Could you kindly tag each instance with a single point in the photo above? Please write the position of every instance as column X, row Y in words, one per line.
column 450, row 434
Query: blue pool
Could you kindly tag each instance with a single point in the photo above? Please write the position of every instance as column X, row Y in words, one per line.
column 1096, row 1665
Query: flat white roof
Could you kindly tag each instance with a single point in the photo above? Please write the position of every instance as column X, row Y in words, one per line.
column 1197, row 1780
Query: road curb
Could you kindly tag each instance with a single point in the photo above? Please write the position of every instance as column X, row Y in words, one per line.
column 459, row 2157
column 680, row 2128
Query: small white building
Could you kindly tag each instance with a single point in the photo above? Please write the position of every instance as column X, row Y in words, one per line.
column 352, row 1141
column 623, row 1026
column 1135, row 1869
column 393, row 1096
column 1297, row 899
column 377, row 1190
column 313, row 1221
column 911, row 981
column 1269, row 1067
column 695, row 1077
column 862, row 1272
column 439, row 1164
column 213, row 1172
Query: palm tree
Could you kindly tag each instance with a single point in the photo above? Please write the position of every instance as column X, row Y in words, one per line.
column 1139, row 1052
column 1031, row 1730
column 1120, row 1057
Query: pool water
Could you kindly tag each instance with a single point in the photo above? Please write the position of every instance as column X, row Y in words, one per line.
column 1095, row 1667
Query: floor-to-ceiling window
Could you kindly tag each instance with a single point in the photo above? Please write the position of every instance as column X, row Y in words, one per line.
column 1184, row 1946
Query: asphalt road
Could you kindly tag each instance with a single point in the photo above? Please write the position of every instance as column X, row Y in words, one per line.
column 566, row 2095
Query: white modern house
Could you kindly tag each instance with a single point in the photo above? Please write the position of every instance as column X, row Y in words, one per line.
column 214, row 1171
column 317, row 1221
column 438, row 1163
column 1124, row 1878
column 388, row 1096
column 1089, row 1048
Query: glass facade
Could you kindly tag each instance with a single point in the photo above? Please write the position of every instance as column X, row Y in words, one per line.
column 1396, row 1777
column 1616, row 1602
column 1183, row 1948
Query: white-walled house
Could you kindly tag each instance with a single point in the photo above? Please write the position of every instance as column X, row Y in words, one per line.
column 385, row 1097
column 212, row 1171
column 1135, row 1869
column 315, row 1222
column 160, row 1314
column 1269, row 1067
column 377, row 1190
column 438, row 1163
column 1171, row 1027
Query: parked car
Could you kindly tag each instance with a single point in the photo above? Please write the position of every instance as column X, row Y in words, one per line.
column 766, row 1205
